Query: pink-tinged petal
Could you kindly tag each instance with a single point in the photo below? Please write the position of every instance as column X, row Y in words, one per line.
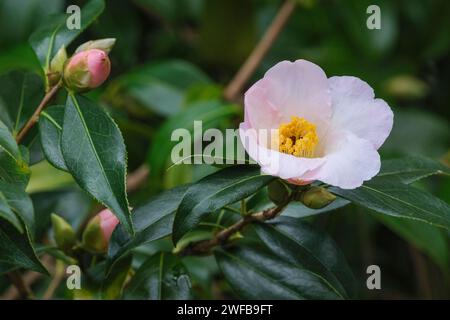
column 108, row 223
column 273, row 162
column 259, row 111
column 99, row 66
column 299, row 88
column 349, row 161
column 355, row 109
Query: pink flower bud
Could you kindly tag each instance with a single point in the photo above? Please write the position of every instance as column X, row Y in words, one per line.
column 108, row 223
column 87, row 70
column 98, row 231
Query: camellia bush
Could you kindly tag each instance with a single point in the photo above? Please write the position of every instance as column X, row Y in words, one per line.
column 103, row 197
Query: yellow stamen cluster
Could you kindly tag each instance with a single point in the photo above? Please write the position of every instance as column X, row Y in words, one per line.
column 298, row 138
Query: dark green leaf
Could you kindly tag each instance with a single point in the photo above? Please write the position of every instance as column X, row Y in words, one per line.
column 16, row 250
column 161, row 277
column 50, row 130
column 301, row 244
column 13, row 166
column 112, row 285
column 391, row 197
column 94, row 152
column 152, row 221
column 53, row 34
column 214, row 192
column 209, row 112
column 298, row 210
column 20, row 94
column 431, row 240
column 254, row 273
column 161, row 87
column 18, row 201
column 411, row 169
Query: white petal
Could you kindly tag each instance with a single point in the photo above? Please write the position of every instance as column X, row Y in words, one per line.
column 349, row 161
column 273, row 162
column 300, row 89
column 355, row 109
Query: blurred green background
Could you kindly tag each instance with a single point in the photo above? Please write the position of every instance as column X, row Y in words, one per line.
column 174, row 57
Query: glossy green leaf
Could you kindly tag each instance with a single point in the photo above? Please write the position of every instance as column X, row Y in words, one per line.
column 411, row 169
column 391, row 197
column 210, row 113
column 53, row 34
column 112, row 286
column 429, row 239
column 50, row 130
column 17, row 200
column 161, row 277
column 214, row 192
column 16, row 250
column 20, row 94
column 13, row 166
column 300, row 243
column 153, row 220
column 161, row 87
column 94, row 152
column 255, row 273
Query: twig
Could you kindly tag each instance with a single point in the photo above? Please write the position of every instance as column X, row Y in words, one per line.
column 420, row 267
column 248, row 68
column 29, row 278
column 34, row 118
column 137, row 177
column 205, row 246
column 22, row 287
column 54, row 284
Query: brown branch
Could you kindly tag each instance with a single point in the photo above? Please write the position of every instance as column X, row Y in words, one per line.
column 205, row 246
column 23, row 289
column 54, row 284
column 137, row 177
column 249, row 67
column 35, row 117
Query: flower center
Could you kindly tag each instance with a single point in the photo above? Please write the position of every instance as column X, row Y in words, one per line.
column 298, row 138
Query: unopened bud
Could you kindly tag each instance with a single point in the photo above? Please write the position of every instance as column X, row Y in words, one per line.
column 101, row 44
column 65, row 236
column 316, row 197
column 56, row 67
column 99, row 230
column 278, row 192
column 87, row 70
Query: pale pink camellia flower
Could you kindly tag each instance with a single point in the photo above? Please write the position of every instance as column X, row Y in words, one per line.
column 87, row 70
column 302, row 126
column 108, row 223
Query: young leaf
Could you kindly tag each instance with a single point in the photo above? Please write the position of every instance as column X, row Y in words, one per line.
column 13, row 166
column 50, row 130
column 20, row 94
column 152, row 221
column 52, row 35
column 389, row 196
column 411, row 169
column 300, row 243
column 94, row 152
column 254, row 273
column 161, row 277
column 214, row 192
column 16, row 250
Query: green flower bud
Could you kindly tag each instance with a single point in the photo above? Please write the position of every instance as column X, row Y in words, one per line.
column 101, row 44
column 56, row 67
column 64, row 234
column 93, row 239
column 316, row 197
column 278, row 192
